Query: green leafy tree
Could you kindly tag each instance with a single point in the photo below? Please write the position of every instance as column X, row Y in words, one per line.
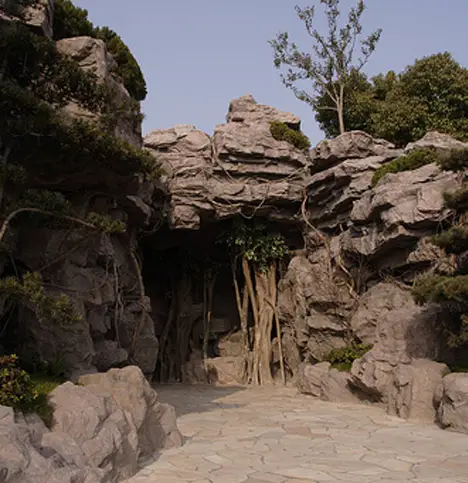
column 363, row 97
column 431, row 94
column 332, row 65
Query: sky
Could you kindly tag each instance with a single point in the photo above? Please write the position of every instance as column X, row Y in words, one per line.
column 198, row 55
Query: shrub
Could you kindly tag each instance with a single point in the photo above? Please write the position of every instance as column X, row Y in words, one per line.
column 16, row 387
column 411, row 161
column 457, row 200
column 440, row 288
column 454, row 240
column 26, row 393
column 454, row 160
column 342, row 359
column 282, row 132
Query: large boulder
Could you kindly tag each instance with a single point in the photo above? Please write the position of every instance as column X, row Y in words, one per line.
column 327, row 383
column 30, row 453
column 378, row 302
column 310, row 377
column 453, row 409
column 403, row 334
column 154, row 421
column 184, row 153
column 413, row 390
column 226, row 371
column 100, row 430
column 350, row 145
column 98, row 425
column 436, row 140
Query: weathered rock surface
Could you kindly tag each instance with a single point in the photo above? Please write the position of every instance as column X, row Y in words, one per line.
column 241, row 169
column 313, row 302
column 436, row 140
column 327, row 383
column 350, row 145
column 154, row 421
column 380, row 301
column 453, row 408
column 226, row 371
column 100, row 431
column 310, row 377
column 38, row 16
column 89, row 277
column 403, row 334
column 414, row 387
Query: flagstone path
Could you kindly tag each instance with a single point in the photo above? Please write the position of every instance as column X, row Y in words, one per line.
column 274, row 435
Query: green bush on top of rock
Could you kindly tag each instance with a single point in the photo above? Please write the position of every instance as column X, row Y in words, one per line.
column 282, row 132
column 413, row 160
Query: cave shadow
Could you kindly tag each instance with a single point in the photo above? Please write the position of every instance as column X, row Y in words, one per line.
column 197, row 398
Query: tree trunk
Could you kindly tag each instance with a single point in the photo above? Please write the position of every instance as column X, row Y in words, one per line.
column 262, row 348
column 340, row 109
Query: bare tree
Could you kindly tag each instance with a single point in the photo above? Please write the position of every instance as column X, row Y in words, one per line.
column 333, row 57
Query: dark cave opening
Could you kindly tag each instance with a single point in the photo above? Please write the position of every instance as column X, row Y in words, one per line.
column 175, row 266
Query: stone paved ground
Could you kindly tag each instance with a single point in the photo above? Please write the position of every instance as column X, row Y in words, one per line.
column 274, row 435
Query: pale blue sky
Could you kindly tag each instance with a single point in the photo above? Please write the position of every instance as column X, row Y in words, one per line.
column 197, row 55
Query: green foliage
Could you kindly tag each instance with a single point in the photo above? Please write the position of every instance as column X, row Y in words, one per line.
column 38, row 131
column 458, row 199
column 34, row 63
column 256, row 243
column 16, row 387
column 72, row 21
column 106, row 224
column 413, row 160
column 282, row 132
column 43, row 386
column 46, row 200
column 26, row 393
column 329, row 67
column 31, row 292
column 127, row 66
column 431, row 94
column 441, row 288
column 454, row 240
column 454, row 160
column 343, row 358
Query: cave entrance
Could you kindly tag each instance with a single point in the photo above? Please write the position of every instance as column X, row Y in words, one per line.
column 205, row 320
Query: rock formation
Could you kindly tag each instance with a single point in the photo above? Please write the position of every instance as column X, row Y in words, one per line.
column 101, row 429
column 241, row 169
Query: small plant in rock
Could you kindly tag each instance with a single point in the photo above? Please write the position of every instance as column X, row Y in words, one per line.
column 411, row 161
column 282, row 132
column 16, row 387
column 342, row 359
